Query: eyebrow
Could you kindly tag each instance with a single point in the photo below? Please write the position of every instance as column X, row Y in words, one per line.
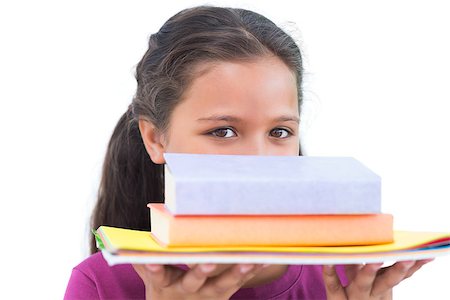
column 228, row 118
column 288, row 119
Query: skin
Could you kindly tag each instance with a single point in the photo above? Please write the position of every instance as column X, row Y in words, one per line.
column 246, row 108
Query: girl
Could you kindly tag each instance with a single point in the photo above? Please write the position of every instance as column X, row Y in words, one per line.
column 218, row 81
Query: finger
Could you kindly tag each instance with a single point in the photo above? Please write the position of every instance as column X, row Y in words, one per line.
column 332, row 283
column 230, row 280
column 351, row 271
column 390, row 277
column 162, row 276
column 220, row 269
column 252, row 273
column 141, row 271
column 419, row 264
column 363, row 281
column 246, row 282
column 196, row 277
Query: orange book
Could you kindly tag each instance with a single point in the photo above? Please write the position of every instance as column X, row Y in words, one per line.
column 269, row 230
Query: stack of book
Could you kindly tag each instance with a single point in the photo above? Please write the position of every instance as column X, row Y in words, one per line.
column 236, row 200
column 271, row 210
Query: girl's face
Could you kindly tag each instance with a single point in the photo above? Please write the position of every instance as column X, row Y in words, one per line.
column 248, row 108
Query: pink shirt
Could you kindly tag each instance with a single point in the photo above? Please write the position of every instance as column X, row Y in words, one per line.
column 94, row 279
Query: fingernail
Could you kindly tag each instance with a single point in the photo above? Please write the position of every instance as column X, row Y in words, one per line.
column 206, row 268
column 245, row 268
column 408, row 263
column 153, row 268
column 376, row 266
column 265, row 266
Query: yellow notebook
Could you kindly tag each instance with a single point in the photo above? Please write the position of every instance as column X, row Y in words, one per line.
column 132, row 246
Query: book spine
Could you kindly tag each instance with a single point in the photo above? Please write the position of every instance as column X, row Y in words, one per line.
column 274, row 197
column 336, row 230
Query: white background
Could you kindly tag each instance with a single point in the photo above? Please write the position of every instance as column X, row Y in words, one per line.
column 376, row 88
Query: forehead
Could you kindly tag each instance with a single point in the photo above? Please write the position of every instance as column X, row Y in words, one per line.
column 264, row 84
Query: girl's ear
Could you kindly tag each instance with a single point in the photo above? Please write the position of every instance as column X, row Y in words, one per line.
column 153, row 141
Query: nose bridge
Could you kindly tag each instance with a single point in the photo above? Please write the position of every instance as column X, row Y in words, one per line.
column 256, row 145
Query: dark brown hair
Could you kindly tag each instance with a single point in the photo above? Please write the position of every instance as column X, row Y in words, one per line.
column 190, row 38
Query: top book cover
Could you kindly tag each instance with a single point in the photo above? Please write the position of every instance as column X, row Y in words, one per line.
column 205, row 184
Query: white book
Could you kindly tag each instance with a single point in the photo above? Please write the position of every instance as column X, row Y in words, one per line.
column 204, row 184
column 273, row 258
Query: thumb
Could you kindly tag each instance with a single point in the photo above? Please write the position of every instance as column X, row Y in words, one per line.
column 333, row 286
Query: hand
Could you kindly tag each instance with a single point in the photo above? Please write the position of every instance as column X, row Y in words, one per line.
column 203, row 281
column 369, row 281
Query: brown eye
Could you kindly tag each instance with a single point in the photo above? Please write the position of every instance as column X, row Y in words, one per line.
column 223, row 133
column 280, row 133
